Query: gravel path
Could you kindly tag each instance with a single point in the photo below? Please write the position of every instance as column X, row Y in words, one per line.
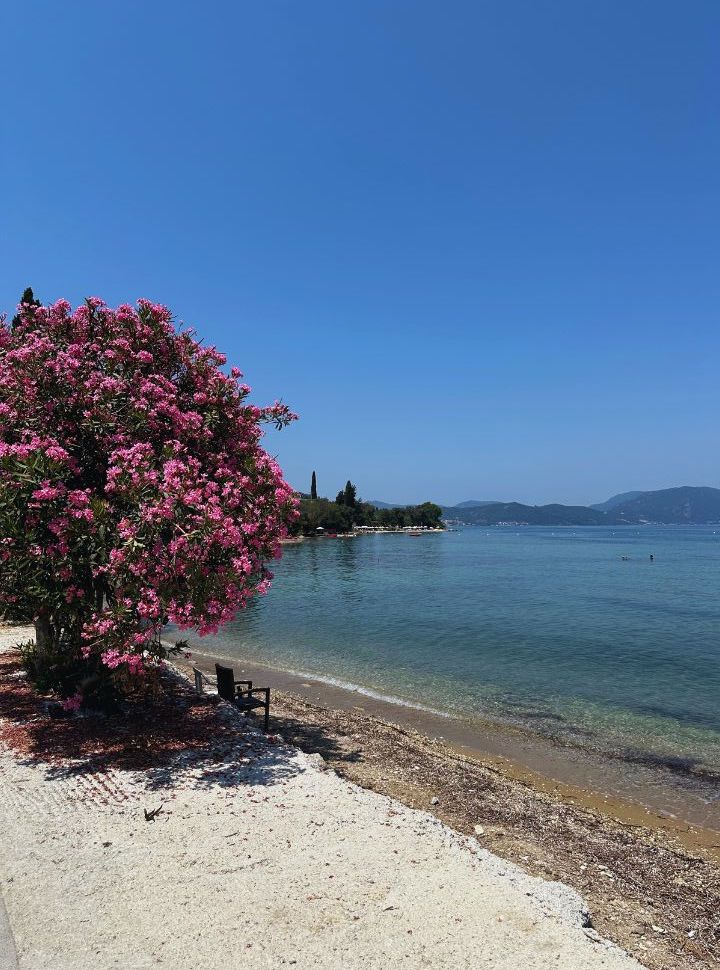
column 8, row 955
column 260, row 856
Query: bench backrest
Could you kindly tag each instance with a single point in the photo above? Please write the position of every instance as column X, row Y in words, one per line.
column 225, row 682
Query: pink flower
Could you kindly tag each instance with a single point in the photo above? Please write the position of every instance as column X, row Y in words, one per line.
column 47, row 492
column 73, row 703
column 151, row 458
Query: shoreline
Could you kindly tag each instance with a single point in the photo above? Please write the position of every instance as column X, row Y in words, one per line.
column 326, row 796
column 588, row 779
column 365, row 531
column 263, row 851
column 652, row 883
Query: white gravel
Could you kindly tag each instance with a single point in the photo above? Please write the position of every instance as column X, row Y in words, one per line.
column 263, row 860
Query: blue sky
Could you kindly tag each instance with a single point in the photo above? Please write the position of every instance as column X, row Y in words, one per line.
column 475, row 245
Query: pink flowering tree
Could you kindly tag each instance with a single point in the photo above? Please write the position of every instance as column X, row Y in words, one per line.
column 134, row 490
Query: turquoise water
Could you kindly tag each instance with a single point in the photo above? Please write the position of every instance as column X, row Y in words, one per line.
column 544, row 627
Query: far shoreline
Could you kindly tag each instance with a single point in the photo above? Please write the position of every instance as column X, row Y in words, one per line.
column 364, row 530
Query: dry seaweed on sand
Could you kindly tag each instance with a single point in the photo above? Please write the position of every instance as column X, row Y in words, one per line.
column 646, row 890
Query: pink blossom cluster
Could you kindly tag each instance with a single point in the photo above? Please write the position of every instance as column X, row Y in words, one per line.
column 73, row 703
column 134, row 490
column 113, row 659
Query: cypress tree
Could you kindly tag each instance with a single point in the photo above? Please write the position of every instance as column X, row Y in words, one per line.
column 313, row 487
column 349, row 494
column 27, row 297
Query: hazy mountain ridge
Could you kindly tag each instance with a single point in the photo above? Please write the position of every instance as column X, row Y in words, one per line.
column 684, row 505
column 612, row 503
column 472, row 503
column 516, row 512
column 689, row 505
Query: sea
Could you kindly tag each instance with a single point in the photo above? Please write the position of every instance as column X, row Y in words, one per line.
column 605, row 640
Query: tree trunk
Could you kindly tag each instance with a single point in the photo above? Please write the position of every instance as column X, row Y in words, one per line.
column 43, row 642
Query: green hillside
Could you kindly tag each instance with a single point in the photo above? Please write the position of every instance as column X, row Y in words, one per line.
column 686, row 505
column 515, row 512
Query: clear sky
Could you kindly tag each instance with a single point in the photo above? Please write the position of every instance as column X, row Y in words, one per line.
column 475, row 244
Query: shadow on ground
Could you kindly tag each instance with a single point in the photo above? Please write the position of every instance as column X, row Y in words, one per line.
column 313, row 738
column 173, row 735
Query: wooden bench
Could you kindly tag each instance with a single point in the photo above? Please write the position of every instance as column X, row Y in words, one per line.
column 231, row 690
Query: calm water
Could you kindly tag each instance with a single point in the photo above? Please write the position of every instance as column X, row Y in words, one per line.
column 548, row 628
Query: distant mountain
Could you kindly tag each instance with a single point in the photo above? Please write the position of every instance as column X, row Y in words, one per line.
column 616, row 500
column 516, row 513
column 470, row 504
column 672, row 506
column 686, row 505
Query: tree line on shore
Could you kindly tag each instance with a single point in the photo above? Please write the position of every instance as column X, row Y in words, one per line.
column 347, row 511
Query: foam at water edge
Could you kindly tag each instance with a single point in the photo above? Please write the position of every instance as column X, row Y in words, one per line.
column 368, row 692
column 343, row 685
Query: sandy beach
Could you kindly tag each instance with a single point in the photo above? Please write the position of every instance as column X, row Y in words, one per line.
column 257, row 847
column 652, row 881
